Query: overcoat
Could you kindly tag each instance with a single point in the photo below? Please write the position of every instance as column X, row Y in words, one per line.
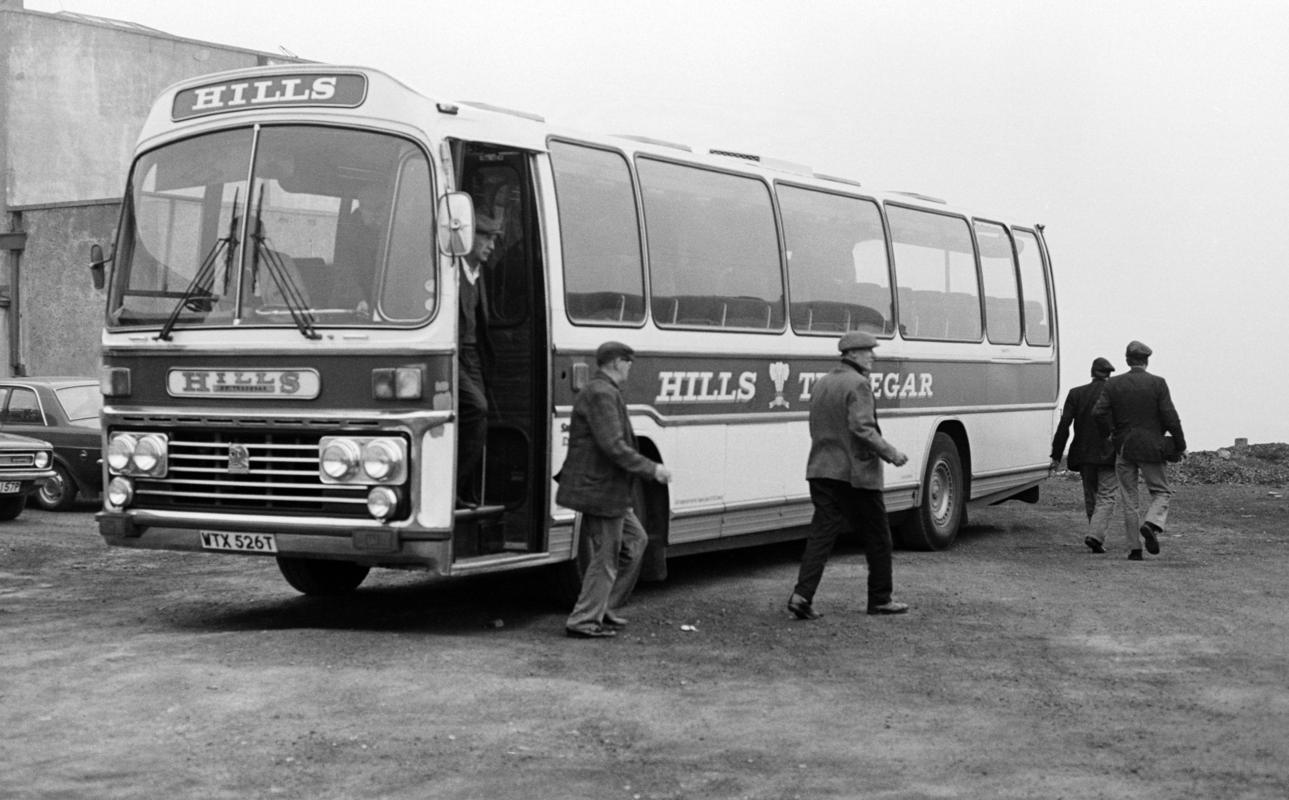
column 846, row 443
column 1137, row 409
column 602, row 458
column 1090, row 446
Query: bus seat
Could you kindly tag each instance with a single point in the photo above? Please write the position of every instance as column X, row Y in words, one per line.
column 702, row 310
column 747, row 312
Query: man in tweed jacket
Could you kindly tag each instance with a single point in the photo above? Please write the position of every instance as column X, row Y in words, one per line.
column 596, row 479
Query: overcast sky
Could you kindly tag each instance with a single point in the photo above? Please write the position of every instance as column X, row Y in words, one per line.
column 1149, row 137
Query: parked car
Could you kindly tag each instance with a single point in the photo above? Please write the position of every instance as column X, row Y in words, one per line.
column 25, row 464
column 65, row 413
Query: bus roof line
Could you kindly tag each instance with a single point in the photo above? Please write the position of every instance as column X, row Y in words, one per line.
column 528, row 115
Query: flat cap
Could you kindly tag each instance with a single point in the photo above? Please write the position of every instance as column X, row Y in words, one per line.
column 1137, row 350
column 856, row 340
column 1101, row 367
column 611, row 350
column 487, row 225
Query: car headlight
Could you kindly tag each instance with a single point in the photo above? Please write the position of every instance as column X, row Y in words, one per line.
column 41, row 459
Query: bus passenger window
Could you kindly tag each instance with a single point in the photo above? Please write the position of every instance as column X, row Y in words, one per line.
column 1033, row 286
column 600, row 236
column 713, row 249
column 1002, row 296
column 837, row 268
column 935, row 268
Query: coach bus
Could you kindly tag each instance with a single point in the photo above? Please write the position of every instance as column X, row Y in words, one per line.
column 279, row 349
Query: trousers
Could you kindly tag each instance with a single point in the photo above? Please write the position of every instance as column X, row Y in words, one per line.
column 840, row 507
column 617, row 554
column 473, row 425
column 1105, row 499
column 1155, row 477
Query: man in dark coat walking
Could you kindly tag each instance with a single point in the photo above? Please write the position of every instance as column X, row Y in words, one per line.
column 844, row 471
column 596, row 479
column 1137, row 409
column 1091, row 454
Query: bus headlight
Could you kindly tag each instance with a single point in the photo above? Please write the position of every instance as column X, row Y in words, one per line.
column 150, row 456
column 120, row 448
column 338, row 458
column 145, row 454
column 382, row 459
column 362, row 459
column 119, row 492
column 382, row 501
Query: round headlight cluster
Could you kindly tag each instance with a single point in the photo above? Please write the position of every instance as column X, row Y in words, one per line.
column 138, row 454
column 344, row 459
column 41, row 459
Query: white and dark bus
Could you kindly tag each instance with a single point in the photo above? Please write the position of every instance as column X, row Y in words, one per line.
column 279, row 352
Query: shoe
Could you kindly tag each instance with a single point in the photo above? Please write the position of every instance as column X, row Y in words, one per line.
column 1148, row 531
column 598, row 632
column 889, row 607
column 1093, row 544
column 1134, row 555
column 801, row 608
column 612, row 620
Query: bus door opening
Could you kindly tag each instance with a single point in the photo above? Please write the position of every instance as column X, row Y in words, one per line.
column 511, row 479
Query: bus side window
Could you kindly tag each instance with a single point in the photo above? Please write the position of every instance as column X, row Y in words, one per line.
column 1002, row 295
column 935, row 260
column 713, row 248
column 837, row 268
column 600, row 235
column 1033, row 286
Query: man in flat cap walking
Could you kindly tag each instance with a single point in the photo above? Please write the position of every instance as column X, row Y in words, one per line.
column 845, row 476
column 596, row 479
column 1091, row 454
column 1137, row 409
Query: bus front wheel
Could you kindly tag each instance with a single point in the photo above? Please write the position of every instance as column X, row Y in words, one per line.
column 314, row 576
column 934, row 524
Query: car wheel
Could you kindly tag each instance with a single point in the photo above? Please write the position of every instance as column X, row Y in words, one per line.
column 57, row 493
column 11, row 507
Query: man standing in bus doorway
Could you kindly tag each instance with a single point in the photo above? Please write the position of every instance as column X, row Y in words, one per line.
column 474, row 362
column 1091, row 454
column 1137, row 409
column 597, row 477
column 844, row 471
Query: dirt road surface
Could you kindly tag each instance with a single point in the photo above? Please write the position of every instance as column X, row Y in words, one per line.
column 1028, row 668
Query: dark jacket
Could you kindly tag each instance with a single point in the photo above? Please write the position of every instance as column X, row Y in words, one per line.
column 846, row 443
column 602, row 458
column 1090, row 446
column 1138, row 410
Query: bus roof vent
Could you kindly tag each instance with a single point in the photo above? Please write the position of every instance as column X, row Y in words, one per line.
column 658, row 142
column 502, row 110
column 835, row 179
column 769, row 163
column 924, row 197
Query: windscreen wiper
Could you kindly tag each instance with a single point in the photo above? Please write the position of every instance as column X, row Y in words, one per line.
column 297, row 305
column 198, row 295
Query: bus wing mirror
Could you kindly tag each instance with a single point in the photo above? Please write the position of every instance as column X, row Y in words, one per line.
column 456, row 224
column 97, row 263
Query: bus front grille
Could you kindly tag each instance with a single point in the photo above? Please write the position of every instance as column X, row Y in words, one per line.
column 248, row 472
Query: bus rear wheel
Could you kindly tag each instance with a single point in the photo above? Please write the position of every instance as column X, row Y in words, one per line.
column 317, row 577
column 934, row 524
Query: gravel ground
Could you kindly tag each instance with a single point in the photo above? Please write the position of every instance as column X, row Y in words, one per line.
column 1029, row 667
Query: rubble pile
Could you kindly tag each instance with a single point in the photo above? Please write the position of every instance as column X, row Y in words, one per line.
column 1259, row 464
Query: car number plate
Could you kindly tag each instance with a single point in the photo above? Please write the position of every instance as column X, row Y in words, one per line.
column 239, row 542
column 10, row 487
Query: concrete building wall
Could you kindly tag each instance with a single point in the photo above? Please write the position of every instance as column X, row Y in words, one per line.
column 74, row 92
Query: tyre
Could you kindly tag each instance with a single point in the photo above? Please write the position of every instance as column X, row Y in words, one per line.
column 934, row 524
column 318, row 577
column 11, row 507
column 57, row 493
